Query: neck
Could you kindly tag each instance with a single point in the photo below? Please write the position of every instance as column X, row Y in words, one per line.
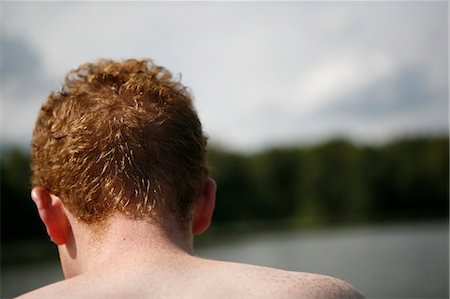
column 122, row 240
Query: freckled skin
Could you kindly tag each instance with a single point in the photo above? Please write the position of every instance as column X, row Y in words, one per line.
column 192, row 277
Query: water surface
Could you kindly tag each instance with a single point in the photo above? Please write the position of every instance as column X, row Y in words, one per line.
column 389, row 261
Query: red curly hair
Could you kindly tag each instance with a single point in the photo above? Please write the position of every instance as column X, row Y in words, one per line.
column 120, row 137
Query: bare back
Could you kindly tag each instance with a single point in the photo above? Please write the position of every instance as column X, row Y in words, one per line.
column 196, row 278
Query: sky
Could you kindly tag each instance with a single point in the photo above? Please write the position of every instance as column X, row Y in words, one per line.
column 262, row 74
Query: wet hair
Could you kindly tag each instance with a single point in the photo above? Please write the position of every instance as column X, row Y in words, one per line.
column 120, row 137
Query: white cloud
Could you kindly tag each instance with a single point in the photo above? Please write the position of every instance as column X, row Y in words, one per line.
column 336, row 77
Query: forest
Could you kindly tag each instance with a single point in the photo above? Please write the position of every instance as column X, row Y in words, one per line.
column 333, row 183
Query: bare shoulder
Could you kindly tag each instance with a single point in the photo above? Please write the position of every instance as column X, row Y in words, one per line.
column 54, row 290
column 200, row 279
column 265, row 282
column 322, row 286
column 76, row 287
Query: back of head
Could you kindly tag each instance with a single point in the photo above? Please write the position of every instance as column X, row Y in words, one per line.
column 120, row 137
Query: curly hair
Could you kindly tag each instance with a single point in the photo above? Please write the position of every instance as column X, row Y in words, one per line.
column 120, row 137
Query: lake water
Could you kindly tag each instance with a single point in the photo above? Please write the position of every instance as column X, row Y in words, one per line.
column 395, row 261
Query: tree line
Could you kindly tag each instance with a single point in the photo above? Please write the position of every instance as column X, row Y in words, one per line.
column 336, row 182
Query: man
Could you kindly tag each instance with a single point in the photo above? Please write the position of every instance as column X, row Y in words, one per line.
column 120, row 181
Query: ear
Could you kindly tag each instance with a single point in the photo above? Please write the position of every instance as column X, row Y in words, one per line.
column 52, row 214
column 204, row 207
